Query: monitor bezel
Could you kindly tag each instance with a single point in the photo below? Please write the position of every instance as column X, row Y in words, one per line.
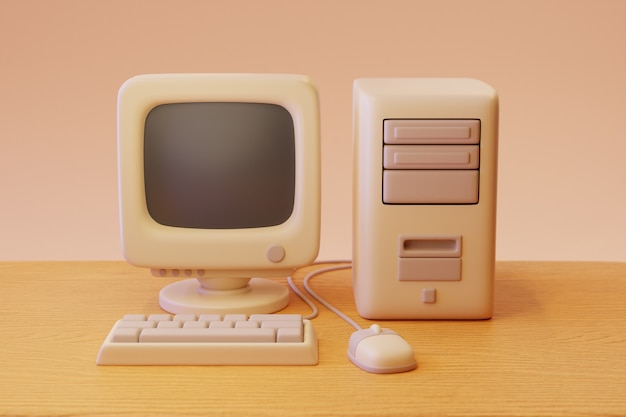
column 219, row 252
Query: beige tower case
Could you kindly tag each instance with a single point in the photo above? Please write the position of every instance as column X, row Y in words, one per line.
column 425, row 169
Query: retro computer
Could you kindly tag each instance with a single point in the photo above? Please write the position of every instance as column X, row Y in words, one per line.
column 220, row 187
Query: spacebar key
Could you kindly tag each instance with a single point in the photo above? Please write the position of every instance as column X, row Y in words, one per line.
column 207, row 335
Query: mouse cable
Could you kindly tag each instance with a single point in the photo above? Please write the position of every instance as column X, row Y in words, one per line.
column 303, row 296
column 321, row 300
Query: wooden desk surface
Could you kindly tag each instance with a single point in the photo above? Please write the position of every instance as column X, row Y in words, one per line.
column 555, row 346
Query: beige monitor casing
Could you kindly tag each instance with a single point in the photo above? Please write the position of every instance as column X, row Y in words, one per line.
column 425, row 169
column 225, row 267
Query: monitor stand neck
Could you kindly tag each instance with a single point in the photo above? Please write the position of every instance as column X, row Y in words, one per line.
column 223, row 285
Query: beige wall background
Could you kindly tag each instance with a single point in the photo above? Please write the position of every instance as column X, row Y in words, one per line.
column 559, row 66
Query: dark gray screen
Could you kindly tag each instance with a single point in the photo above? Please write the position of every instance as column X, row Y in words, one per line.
column 219, row 165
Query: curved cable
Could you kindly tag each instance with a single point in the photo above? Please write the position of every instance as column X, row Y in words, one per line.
column 320, row 299
column 304, row 298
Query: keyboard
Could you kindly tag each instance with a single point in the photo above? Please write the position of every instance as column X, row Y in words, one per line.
column 210, row 339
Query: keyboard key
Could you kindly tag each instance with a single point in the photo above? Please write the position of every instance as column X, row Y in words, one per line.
column 289, row 335
column 126, row 335
column 159, row 317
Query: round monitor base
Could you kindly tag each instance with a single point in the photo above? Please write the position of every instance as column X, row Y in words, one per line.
column 264, row 297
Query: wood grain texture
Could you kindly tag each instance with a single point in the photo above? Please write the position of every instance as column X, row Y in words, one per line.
column 556, row 346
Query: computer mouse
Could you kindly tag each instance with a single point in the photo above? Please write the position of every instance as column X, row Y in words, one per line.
column 381, row 351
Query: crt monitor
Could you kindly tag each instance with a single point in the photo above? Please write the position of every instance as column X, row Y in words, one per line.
column 219, row 181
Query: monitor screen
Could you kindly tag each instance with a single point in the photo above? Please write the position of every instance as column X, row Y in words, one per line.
column 219, row 165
